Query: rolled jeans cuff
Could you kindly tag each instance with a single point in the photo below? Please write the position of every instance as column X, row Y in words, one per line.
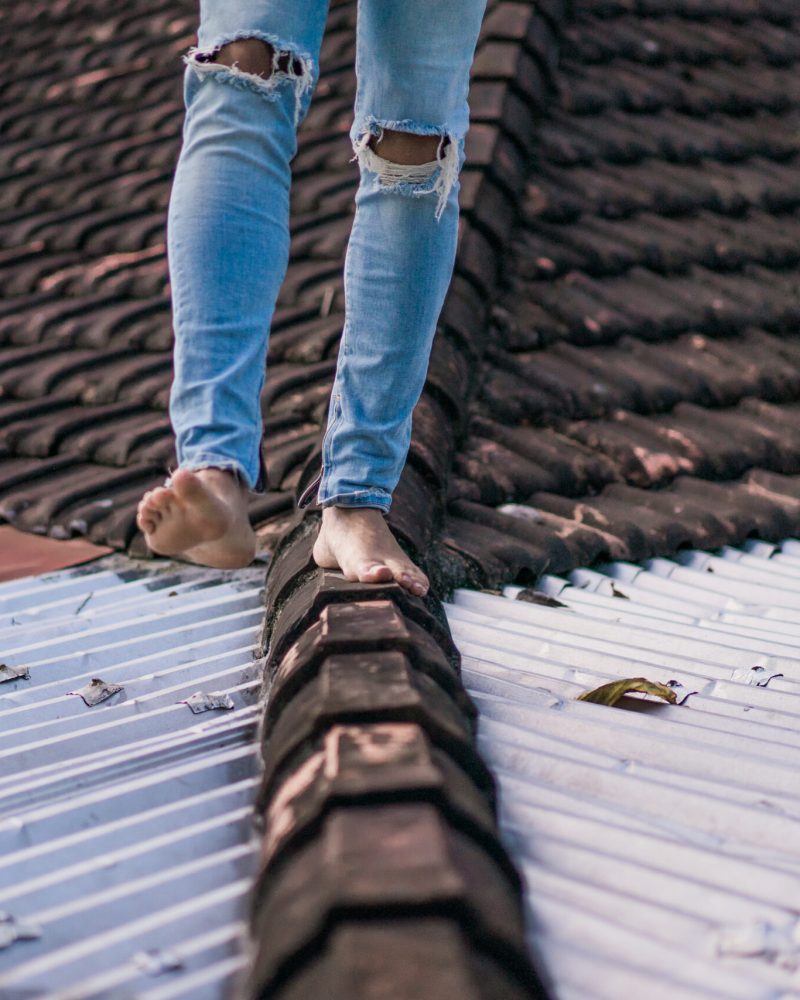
column 376, row 497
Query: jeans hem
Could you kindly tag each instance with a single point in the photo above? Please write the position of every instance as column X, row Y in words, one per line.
column 358, row 498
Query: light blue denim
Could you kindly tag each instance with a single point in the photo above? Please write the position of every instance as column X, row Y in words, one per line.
column 228, row 231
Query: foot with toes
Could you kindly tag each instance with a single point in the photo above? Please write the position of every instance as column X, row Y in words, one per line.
column 200, row 517
column 357, row 541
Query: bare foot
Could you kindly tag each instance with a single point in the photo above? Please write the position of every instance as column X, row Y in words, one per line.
column 357, row 540
column 201, row 517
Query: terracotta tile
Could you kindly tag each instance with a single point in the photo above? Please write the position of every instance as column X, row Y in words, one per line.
column 23, row 554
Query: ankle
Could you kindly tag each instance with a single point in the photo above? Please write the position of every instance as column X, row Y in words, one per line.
column 349, row 513
column 223, row 482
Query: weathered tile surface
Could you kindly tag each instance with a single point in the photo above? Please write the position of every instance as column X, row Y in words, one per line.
column 92, row 119
column 641, row 383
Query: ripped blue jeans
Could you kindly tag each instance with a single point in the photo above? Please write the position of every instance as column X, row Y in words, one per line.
column 228, row 231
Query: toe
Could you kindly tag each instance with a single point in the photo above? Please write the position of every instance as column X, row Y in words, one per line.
column 149, row 504
column 146, row 523
column 374, row 573
column 403, row 569
column 149, row 512
column 160, row 499
column 412, row 579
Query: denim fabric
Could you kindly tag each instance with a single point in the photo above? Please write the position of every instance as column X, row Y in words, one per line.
column 228, row 230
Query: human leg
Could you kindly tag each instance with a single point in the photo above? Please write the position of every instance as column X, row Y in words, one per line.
column 413, row 62
column 247, row 86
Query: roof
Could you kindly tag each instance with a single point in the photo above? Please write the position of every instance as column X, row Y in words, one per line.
column 85, row 324
column 129, row 698
column 659, row 845
column 26, row 555
column 619, row 321
column 641, row 382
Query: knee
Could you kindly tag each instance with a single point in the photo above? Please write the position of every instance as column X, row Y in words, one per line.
column 418, row 161
column 252, row 55
column 253, row 62
column 405, row 147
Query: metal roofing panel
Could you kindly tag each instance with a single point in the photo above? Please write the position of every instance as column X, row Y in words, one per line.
column 127, row 844
column 660, row 845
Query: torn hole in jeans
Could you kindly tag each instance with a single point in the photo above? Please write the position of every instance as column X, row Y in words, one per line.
column 412, row 178
column 289, row 64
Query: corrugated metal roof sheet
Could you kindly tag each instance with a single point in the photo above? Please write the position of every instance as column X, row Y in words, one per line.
column 660, row 845
column 127, row 845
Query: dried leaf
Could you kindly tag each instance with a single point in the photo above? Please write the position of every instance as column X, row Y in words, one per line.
column 537, row 597
column 208, row 701
column 610, row 694
column 97, row 691
column 8, row 673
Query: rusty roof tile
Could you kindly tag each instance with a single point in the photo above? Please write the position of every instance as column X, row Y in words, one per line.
column 398, row 958
column 365, row 859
